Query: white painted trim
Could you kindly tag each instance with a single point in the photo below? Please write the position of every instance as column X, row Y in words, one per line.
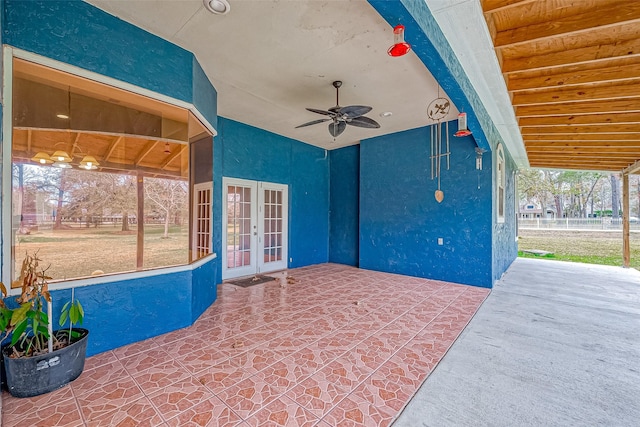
column 197, row 188
column 252, row 268
column 121, row 277
column 100, row 78
column 7, row 114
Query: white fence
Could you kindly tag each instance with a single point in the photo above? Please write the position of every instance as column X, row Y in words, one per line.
column 607, row 224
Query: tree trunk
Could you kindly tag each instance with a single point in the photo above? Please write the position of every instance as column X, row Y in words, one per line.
column 125, row 221
column 615, row 207
column 166, row 225
column 558, row 202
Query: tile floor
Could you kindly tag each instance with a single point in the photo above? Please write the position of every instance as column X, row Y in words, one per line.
column 339, row 347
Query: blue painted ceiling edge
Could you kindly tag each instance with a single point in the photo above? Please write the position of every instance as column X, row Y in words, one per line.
column 430, row 45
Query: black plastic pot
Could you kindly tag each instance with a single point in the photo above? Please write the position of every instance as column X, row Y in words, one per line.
column 32, row 376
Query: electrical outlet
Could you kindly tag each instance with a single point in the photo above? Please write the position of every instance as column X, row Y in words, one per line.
column 440, row 241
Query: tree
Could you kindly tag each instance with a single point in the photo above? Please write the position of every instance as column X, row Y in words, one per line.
column 168, row 196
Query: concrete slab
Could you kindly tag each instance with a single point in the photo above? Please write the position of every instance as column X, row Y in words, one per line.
column 555, row 344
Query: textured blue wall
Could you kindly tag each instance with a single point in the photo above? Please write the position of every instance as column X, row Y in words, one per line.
column 255, row 154
column 344, row 205
column 79, row 34
column 123, row 312
column 400, row 220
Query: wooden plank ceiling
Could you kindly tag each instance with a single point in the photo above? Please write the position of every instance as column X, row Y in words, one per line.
column 572, row 68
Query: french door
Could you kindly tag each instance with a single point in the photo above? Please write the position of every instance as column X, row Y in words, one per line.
column 254, row 227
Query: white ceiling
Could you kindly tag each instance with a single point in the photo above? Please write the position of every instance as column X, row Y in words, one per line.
column 269, row 59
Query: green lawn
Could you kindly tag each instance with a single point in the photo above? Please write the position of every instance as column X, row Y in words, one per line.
column 595, row 247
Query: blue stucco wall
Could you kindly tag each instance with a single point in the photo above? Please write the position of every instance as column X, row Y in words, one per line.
column 255, row 154
column 344, row 205
column 400, row 220
column 74, row 32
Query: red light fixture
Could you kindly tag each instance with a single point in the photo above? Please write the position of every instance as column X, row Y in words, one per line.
column 462, row 126
column 400, row 47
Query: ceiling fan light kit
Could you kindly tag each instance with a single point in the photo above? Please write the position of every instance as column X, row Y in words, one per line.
column 340, row 117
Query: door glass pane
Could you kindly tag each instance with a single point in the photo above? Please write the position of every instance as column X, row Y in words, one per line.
column 238, row 226
column 272, row 226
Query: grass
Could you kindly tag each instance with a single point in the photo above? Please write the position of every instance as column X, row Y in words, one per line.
column 590, row 247
column 79, row 252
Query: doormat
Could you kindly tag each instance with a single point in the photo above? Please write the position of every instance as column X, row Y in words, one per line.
column 250, row 281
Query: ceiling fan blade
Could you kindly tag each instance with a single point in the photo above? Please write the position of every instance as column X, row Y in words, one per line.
column 337, row 127
column 364, row 122
column 324, row 112
column 353, row 111
column 313, row 122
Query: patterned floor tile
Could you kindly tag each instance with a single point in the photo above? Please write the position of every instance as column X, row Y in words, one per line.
column 283, row 375
column 111, row 396
column 282, row 412
column 316, row 395
column 160, row 376
column 180, row 396
column 209, row 413
column 201, row 359
column 64, row 413
column 248, row 396
column 146, row 360
column 140, row 413
column 223, row 376
column 341, row 343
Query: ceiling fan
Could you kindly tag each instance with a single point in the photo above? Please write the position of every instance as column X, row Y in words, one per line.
column 340, row 117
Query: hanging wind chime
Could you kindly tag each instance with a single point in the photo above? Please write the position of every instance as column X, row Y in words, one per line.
column 437, row 111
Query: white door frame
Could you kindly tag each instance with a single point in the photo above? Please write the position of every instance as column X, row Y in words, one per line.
column 262, row 240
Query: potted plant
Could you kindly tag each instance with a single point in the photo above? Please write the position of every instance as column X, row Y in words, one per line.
column 39, row 360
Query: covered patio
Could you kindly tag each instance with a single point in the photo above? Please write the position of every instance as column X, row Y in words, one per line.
column 332, row 345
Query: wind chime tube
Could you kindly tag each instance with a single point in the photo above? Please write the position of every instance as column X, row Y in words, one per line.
column 439, row 151
column 431, row 143
column 448, row 152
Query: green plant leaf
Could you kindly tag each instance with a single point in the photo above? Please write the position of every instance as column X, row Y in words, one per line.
column 44, row 331
column 80, row 310
column 63, row 317
column 19, row 314
column 18, row 331
column 74, row 314
column 65, row 307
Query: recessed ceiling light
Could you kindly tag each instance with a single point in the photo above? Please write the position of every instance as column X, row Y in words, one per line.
column 219, row 7
column 386, row 114
column 62, row 116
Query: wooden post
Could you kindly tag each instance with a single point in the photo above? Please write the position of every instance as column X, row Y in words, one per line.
column 626, row 251
column 140, row 221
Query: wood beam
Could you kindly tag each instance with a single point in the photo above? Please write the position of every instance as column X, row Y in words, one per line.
column 140, row 222
column 584, row 55
column 626, row 251
column 633, row 169
column 605, row 91
column 606, row 71
column 587, row 139
column 172, row 156
column 577, row 151
column 583, row 166
column 112, row 147
column 588, row 129
column 543, row 155
column 499, row 5
column 586, row 107
column 148, row 147
column 586, row 119
column 603, row 16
